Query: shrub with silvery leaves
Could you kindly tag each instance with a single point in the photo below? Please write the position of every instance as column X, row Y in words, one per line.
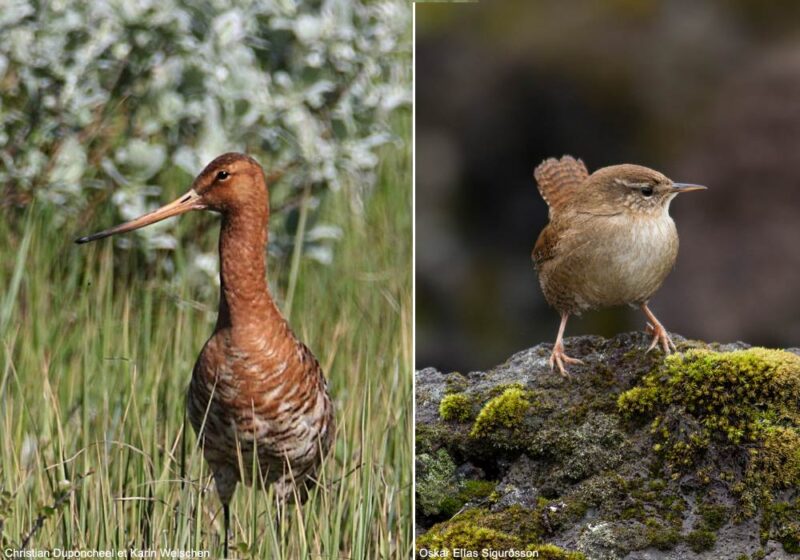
column 106, row 95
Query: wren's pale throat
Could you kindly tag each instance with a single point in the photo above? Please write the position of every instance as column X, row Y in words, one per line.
column 610, row 241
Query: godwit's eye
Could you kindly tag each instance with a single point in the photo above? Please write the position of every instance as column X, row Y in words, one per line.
column 222, row 175
column 647, row 191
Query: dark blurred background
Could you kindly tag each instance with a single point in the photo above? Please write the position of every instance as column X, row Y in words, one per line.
column 706, row 92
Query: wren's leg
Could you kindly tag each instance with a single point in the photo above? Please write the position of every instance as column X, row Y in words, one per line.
column 660, row 334
column 558, row 357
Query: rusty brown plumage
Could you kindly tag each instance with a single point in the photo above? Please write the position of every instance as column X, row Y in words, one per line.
column 257, row 394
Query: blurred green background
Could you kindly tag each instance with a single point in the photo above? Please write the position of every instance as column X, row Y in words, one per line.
column 705, row 92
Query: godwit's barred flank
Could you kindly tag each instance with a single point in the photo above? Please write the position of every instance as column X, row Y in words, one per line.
column 257, row 393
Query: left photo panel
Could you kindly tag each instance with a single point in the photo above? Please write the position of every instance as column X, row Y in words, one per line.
column 235, row 382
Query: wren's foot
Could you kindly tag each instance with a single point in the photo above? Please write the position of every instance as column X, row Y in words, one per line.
column 558, row 358
column 660, row 336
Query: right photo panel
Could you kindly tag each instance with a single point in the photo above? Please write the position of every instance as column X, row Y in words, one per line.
column 607, row 271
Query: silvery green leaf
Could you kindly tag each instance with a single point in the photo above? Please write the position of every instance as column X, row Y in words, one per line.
column 162, row 241
column 130, row 202
column 70, row 162
column 187, row 159
column 14, row 11
column 213, row 139
column 315, row 95
column 141, row 159
column 111, row 170
column 170, row 107
column 320, row 253
column 308, row 29
column 229, row 27
column 324, row 231
column 207, row 262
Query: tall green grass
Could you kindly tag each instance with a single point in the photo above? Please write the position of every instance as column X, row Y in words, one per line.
column 96, row 350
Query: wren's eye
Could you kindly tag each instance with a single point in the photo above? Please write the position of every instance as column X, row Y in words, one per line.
column 222, row 175
column 647, row 191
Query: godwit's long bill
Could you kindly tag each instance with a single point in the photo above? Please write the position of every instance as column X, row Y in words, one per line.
column 257, row 393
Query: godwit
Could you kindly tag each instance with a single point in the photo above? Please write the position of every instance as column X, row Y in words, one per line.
column 257, row 393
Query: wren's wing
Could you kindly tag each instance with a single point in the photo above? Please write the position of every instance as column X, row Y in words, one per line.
column 545, row 248
column 559, row 180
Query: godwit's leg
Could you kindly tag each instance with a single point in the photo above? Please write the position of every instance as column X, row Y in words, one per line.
column 226, row 508
column 226, row 478
column 558, row 357
column 660, row 334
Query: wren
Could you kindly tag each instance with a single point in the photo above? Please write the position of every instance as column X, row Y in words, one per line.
column 610, row 241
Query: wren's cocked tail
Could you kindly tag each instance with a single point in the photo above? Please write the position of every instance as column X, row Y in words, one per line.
column 257, row 394
column 610, row 241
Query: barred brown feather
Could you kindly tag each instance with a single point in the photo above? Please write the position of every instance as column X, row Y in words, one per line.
column 558, row 180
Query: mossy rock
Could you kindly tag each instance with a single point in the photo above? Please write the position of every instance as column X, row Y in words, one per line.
column 781, row 520
column 714, row 516
column 479, row 529
column 503, row 412
column 440, row 492
column 638, row 443
column 436, row 485
column 701, row 540
column 662, row 537
column 704, row 401
column 553, row 552
column 456, row 407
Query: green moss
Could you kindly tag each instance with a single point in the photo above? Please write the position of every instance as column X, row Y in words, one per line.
column 662, row 537
column 428, row 438
column 790, row 537
column 705, row 401
column 714, row 517
column 506, row 410
column 439, row 491
column 553, row 552
column 480, row 528
column 463, row 534
column 473, row 491
column 781, row 522
column 701, row 540
column 455, row 382
column 456, row 407
column 776, row 462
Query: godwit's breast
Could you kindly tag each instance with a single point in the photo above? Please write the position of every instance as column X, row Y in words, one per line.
column 270, row 399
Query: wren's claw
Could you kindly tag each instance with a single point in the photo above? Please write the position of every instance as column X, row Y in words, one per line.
column 558, row 358
column 660, row 336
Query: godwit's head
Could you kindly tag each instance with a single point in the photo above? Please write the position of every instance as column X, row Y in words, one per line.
column 231, row 183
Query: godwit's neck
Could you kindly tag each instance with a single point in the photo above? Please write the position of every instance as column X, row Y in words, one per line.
column 245, row 298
